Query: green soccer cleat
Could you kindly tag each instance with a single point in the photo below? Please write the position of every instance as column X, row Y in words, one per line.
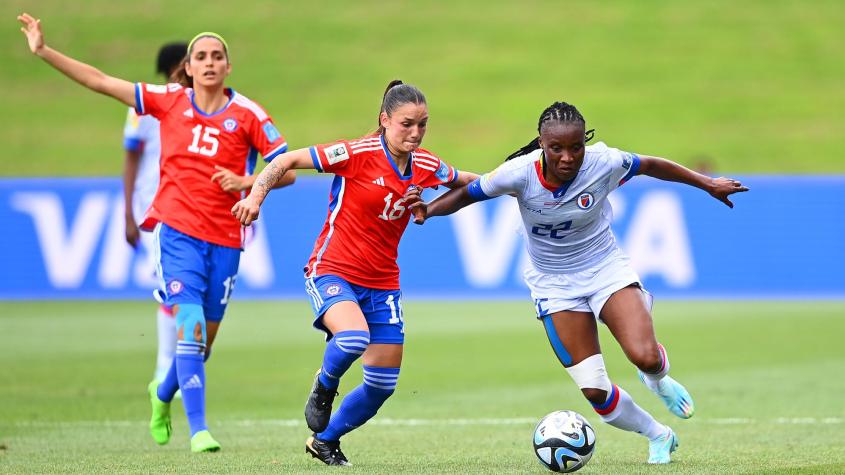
column 202, row 441
column 160, row 427
column 659, row 449
column 676, row 398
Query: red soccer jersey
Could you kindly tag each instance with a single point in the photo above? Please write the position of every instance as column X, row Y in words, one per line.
column 192, row 143
column 367, row 216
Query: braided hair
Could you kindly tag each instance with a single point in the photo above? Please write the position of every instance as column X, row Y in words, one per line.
column 560, row 112
column 396, row 95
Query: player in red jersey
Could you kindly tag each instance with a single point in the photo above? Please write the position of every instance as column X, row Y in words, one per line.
column 352, row 276
column 210, row 137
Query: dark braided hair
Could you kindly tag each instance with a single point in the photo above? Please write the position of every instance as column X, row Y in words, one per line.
column 558, row 112
column 396, row 95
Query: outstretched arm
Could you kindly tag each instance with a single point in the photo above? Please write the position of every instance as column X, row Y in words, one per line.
column 445, row 204
column 274, row 175
column 84, row 74
column 719, row 188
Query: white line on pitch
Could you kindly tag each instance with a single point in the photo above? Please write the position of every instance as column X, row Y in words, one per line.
column 425, row 422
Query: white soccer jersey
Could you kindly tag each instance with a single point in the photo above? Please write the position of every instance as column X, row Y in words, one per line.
column 568, row 228
column 141, row 133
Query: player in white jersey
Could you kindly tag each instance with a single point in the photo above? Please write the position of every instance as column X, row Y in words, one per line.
column 578, row 273
column 140, row 182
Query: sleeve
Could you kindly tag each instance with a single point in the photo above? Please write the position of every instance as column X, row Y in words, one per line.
column 333, row 157
column 133, row 141
column 433, row 170
column 156, row 99
column 504, row 180
column 267, row 139
column 623, row 166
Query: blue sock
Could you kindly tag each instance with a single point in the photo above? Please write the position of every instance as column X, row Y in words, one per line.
column 341, row 351
column 191, row 370
column 190, row 367
column 362, row 403
column 168, row 387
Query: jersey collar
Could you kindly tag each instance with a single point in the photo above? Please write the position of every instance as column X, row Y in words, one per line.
column 393, row 163
column 556, row 192
column 223, row 109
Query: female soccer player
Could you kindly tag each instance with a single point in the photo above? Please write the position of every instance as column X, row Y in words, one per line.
column 352, row 276
column 578, row 271
column 140, row 182
column 206, row 129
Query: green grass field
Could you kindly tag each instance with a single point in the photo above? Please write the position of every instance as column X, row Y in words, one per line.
column 476, row 378
column 755, row 85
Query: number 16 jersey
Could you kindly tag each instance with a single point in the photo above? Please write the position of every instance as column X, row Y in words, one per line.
column 367, row 215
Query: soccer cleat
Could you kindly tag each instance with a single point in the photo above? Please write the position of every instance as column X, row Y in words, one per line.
column 318, row 408
column 202, row 441
column 674, row 395
column 160, row 427
column 327, row 452
column 659, row 449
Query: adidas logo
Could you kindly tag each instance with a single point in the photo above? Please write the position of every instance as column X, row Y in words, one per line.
column 188, row 113
column 193, row 383
column 379, row 181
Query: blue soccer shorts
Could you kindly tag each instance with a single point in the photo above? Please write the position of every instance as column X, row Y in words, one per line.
column 381, row 308
column 193, row 271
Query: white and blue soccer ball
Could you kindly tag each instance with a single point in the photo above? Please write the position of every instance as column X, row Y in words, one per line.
column 564, row 441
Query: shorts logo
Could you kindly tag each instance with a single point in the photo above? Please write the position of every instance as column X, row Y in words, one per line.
column 230, row 125
column 271, row 132
column 585, row 200
column 333, row 290
column 175, row 287
column 336, row 153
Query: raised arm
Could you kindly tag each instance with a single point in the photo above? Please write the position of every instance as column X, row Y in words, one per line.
column 246, row 210
column 84, row 74
column 719, row 188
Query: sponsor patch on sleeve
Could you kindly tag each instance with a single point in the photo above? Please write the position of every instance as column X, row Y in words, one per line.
column 336, row 153
column 626, row 160
column 157, row 88
column 271, row 132
column 442, row 172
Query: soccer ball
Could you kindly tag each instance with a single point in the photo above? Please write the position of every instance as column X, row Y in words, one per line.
column 564, row 441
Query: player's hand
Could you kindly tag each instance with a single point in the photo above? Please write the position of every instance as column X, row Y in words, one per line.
column 246, row 210
column 414, row 203
column 721, row 188
column 133, row 234
column 228, row 180
column 32, row 29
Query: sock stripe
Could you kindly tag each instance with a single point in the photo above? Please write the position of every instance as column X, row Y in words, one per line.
column 189, row 348
column 663, row 358
column 608, row 406
column 382, row 378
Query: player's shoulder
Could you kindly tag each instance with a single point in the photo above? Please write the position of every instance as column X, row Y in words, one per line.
column 521, row 163
column 370, row 143
column 426, row 160
column 248, row 107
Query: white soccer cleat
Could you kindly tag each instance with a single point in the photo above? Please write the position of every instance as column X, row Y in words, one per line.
column 674, row 395
column 660, row 449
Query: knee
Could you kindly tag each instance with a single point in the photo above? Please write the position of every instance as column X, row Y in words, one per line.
column 646, row 358
column 190, row 323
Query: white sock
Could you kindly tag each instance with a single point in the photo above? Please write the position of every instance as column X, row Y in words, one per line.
column 166, row 325
column 652, row 379
column 625, row 414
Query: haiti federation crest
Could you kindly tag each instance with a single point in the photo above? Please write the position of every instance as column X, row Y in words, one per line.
column 586, row 200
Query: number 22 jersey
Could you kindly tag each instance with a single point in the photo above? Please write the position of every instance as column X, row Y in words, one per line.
column 192, row 143
column 367, row 215
column 568, row 228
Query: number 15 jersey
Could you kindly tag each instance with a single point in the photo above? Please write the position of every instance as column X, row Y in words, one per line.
column 568, row 228
column 367, row 215
column 192, row 143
